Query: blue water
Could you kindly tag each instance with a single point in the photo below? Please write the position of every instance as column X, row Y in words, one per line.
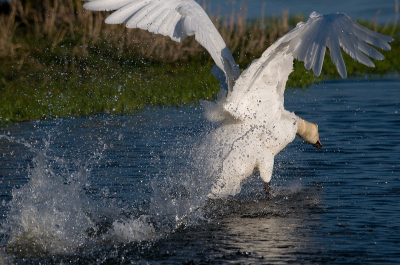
column 119, row 189
column 356, row 9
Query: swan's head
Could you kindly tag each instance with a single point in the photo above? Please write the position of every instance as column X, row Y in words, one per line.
column 308, row 132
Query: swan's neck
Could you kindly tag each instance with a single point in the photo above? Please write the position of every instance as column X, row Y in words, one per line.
column 307, row 131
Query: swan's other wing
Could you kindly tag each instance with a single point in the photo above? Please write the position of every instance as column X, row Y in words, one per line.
column 258, row 93
column 309, row 40
column 173, row 18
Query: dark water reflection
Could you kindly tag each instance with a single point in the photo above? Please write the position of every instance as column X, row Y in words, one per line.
column 339, row 204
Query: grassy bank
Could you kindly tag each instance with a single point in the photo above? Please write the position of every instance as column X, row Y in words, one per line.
column 58, row 60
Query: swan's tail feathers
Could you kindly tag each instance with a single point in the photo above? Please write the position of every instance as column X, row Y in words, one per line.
column 214, row 111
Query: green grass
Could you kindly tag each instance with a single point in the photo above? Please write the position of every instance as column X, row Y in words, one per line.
column 59, row 94
column 43, row 76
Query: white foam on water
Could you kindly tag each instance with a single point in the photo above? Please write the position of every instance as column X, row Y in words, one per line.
column 54, row 214
column 133, row 229
column 50, row 214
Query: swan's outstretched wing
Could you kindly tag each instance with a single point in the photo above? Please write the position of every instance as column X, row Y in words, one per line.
column 173, row 18
column 258, row 93
column 309, row 41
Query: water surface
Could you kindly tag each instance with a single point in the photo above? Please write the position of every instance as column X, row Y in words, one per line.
column 383, row 11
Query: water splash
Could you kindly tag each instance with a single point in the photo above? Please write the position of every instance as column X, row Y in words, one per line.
column 52, row 212
column 61, row 210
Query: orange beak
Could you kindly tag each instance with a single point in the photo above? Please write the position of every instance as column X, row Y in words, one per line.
column 318, row 144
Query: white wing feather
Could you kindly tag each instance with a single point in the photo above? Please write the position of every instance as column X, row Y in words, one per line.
column 258, row 93
column 173, row 18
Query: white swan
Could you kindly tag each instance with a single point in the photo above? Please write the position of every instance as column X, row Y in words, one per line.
column 254, row 124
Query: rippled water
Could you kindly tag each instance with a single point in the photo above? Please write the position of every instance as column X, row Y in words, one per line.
column 383, row 11
column 123, row 189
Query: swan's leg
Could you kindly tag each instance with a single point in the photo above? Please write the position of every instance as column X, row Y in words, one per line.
column 267, row 187
column 265, row 166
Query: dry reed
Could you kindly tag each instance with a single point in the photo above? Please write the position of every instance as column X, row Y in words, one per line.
column 58, row 19
column 8, row 26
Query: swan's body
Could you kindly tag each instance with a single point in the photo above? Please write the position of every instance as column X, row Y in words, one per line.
column 254, row 126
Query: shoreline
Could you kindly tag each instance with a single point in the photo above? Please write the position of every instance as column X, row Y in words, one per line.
column 63, row 61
